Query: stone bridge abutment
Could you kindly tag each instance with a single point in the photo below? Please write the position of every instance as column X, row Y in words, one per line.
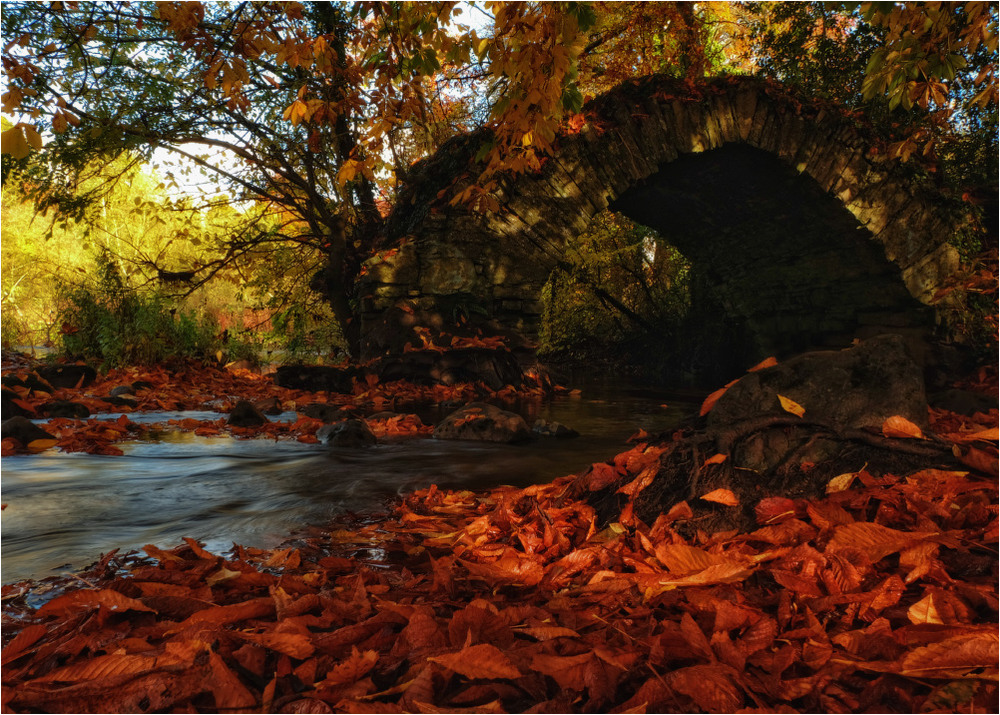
column 805, row 235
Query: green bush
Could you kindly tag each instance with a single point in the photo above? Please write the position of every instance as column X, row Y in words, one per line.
column 117, row 325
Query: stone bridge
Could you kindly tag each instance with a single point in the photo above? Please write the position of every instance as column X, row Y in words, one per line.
column 805, row 235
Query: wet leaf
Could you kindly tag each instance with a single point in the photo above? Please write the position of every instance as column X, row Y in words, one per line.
column 86, row 600
column 40, row 445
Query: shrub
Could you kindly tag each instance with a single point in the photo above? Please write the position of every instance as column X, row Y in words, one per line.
column 111, row 322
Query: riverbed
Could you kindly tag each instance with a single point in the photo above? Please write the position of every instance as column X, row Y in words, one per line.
column 64, row 510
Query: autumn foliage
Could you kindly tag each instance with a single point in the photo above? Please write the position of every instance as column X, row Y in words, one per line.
column 192, row 386
column 881, row 596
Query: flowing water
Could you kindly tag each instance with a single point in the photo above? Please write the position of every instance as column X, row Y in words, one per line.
column 65, row 510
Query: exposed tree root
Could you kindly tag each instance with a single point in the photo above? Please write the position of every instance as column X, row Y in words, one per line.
column 801, row 456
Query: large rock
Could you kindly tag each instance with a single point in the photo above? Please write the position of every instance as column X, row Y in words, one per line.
column 245, row 414
column 483, row 423
column 67, row 375
column 349, row 433
column 64, row 408
column 23, row 430
column 857, row 387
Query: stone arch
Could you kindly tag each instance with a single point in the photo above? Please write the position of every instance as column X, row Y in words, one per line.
column 869, row 236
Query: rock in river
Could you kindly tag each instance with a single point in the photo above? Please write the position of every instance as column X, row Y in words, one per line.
column 23, row 430
column 484, row 423
column 349, row 433
column 244, row 414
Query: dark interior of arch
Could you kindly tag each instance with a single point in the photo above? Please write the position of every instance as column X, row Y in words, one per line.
column 781, row 266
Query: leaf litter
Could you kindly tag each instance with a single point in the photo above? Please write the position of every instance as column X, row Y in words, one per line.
column 880, row 595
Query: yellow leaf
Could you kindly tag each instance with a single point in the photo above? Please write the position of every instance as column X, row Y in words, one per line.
column 40, row 445
column 791, row 406
column 722, row 496
column 33, row 137
column 12, row 100
column 13, row 142
column 901, row 428
column 840, row 483
column 482, row 46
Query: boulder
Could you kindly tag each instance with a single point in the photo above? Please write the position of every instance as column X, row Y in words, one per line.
column 483, row 423
column 23, row 430
column 67, row 375
column 544, row 428
column 244, row 414
column 121, row 390
column 857, row 387
column 31, row 381
column 64, row 408
column 348, row 433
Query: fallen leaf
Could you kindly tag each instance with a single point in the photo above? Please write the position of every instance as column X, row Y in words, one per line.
column 840, row 483
column 789, row 405
column 901, row 428
column 710, row 401
column 479, row 661
column 40, row 445
column 722, row 496
column 765, row 363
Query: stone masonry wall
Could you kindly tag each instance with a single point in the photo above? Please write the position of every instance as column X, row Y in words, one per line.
column 883, row 254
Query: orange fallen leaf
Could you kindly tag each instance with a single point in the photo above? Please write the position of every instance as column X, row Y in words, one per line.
column 710, row 401
column 716, row 459
column 40, row 445
column 722, row 496
column 765, row 363
column 901, row 428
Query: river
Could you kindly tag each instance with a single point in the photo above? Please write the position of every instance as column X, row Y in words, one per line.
column 65, row 510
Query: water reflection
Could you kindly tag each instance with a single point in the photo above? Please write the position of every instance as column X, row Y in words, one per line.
column 64, row 510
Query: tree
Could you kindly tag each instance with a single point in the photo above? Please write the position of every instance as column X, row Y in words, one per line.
column 300, row 108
